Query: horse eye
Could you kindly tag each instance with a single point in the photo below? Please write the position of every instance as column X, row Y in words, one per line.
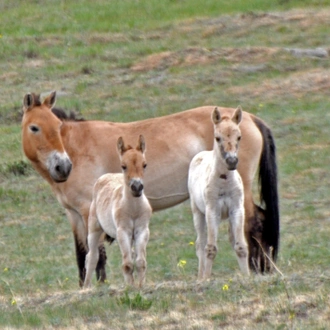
column 34, row 129
column 124, row 167
column 239, row 138
column 217, row 138
column 144, row 165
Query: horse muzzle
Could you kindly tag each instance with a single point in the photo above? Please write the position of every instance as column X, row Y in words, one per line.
column 59, row 167
column 136, row 188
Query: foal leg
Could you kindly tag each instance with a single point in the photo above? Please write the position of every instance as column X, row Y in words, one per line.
column 211, row 248
column 94, row 233
column 141, row 236
column 236, row 219
column 124, row 238
column 200, row 227
column 92, row 256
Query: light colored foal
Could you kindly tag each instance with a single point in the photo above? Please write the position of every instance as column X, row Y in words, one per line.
column 121, row 210
column 216, row 193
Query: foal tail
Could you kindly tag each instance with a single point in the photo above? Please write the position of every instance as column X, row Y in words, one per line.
column 268, row 193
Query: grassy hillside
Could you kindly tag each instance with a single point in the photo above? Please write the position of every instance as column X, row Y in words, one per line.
column 129, row 60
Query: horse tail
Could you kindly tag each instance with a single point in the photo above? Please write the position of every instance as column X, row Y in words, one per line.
column 269, row 199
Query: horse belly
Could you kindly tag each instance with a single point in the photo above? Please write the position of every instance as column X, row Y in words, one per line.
column 105, row 195
column 198, row 178
column 106, row 220
column 166, row 183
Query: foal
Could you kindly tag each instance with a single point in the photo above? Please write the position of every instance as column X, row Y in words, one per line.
column 216, row 193
column 120, row 209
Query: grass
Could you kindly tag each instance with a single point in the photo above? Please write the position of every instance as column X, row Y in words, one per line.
column 137, row 59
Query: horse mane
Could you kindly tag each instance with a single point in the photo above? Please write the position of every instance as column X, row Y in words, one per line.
column 36, row 99
column 63, row 116
column 60, row 113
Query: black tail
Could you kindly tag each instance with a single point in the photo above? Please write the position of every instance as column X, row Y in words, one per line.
column 269, row 191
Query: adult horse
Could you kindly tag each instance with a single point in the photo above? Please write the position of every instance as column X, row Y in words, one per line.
column 72, row 155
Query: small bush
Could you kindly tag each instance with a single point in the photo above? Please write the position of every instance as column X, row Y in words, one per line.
column 137, row 302
column 17, row 168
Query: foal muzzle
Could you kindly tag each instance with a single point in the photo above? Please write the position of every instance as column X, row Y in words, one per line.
column 136, row 187
column 231, row 162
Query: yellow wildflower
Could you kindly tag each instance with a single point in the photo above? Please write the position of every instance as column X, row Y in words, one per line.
column 182, row 263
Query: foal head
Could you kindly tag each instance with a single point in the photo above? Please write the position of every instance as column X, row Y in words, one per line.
column 41, row 138
column 133, row 163
column 227, row 136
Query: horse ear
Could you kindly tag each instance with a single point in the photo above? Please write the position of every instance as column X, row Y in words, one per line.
column 120, row 146
column 142, row 144
column 216, row 116
column 28, row 101
column 237, row 117
column 50, row 100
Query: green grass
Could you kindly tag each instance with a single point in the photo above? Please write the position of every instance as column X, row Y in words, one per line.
column 103, row 59
column 68, row 17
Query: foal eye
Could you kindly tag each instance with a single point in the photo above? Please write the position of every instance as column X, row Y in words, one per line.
column 144, row 165
column 34, row 129
column 218, row 139
column 239, row 138
column 124, row 167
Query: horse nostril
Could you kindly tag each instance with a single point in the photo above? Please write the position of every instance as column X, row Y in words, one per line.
column 137, row 187
column 58, row 168
column 63, row 169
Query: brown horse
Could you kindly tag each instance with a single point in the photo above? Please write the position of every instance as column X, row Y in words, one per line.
column 52, row 145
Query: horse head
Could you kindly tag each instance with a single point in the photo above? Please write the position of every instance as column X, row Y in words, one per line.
column 41, row 138
column 227, row 135
column 133, row 164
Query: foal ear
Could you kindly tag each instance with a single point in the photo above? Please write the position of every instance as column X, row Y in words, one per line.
column 237, row 116
column 216, row 116
column 50, row 100
column 120, row 146
column 28, row 101
column 142, row 144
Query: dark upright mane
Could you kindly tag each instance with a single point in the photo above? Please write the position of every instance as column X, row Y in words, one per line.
column 36, row 99
column 62, row 115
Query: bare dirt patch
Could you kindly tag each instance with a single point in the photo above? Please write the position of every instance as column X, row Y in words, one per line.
column 194, row 55
column 297, row 84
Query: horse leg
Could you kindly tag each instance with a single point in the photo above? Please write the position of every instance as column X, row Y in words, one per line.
column 254, row 228
column 101, row 275
column 263, row 250
column 141, row 237
column 80, row 235
column 211, row 248
column 124, row 238
column 200, row 227
column 236, row 220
